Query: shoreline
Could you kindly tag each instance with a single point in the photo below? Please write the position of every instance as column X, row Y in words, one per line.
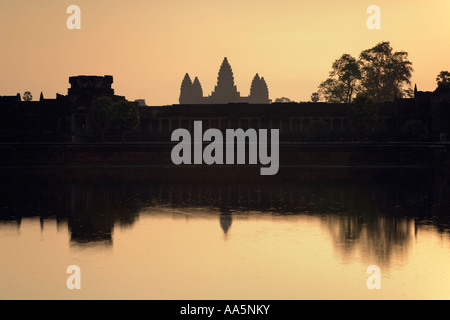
column 157, row 154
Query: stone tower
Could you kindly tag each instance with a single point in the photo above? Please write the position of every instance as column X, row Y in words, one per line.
column 197, row 91
column 225, row 90
column 259, row 92
column 186, row 90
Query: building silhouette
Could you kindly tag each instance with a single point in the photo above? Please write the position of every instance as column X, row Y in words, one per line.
column 225, row 91
column 65, row 118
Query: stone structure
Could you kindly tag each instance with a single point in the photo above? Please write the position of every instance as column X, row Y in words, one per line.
column 225, row 91
column 63, row 118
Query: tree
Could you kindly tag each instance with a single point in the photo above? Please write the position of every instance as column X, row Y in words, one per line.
column 315, row 97
column 100, row 115
column 386, row 75
column 362, row 114
column 443, row 79
column 27, row 96
column 342, row 84
column 282, row 100
column 125, row 116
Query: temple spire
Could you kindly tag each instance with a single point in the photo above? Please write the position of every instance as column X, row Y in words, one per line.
column 197, row 91
column 225, row 90
column 186, row 90
column 258, row 90
column 254, row 86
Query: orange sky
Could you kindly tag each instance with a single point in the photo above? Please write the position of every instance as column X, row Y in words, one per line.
column 148, row 46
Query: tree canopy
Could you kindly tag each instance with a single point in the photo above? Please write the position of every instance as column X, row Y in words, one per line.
column 125, row 115
column 380, row 73
column 443, row 79
column 362, row 114
column 100, row 115
column 342, row 83
column 27, row 96
column 104, row 114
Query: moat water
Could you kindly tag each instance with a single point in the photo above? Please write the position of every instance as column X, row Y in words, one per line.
column 169, row 233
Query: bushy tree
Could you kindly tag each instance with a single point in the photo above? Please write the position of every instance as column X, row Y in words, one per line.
column 315, row 97
column 386, row 75
column 27, row 96
column 443, row 79
column 342, row 84
column 380, row 73
column 100, row 115
column 362, row 114
column 125, row 116
column 283, row 100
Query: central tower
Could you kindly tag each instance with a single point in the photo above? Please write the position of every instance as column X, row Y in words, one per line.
column 225, row 91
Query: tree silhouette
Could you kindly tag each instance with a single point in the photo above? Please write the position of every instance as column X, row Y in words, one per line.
column 125, row 116
column 282, row 100
column 386, row 74
column 380, row 73
column 27, row 96
column 100, row 115
column 443, row 79
column 315, row 97
column 342, row 83
column 362, row 114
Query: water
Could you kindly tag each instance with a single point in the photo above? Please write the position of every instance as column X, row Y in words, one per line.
column 171, row 233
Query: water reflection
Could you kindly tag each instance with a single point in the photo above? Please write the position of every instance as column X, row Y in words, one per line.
column 372, row 212
column 375, row 237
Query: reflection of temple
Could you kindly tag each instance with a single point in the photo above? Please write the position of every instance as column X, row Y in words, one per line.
column 225, row 90
column 369, row 209
column 226, row 220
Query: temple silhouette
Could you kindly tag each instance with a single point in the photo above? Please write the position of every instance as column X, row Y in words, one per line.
column 65, row 119
column 225, row 91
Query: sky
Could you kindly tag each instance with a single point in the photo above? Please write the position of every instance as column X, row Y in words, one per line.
column 149, row 45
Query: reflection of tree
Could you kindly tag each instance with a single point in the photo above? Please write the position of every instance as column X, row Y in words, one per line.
column 98, row 208
column 91, row 220
column 357, row 204
column 376, row 237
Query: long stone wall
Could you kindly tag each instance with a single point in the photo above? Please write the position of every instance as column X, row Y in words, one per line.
column 158, row 154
